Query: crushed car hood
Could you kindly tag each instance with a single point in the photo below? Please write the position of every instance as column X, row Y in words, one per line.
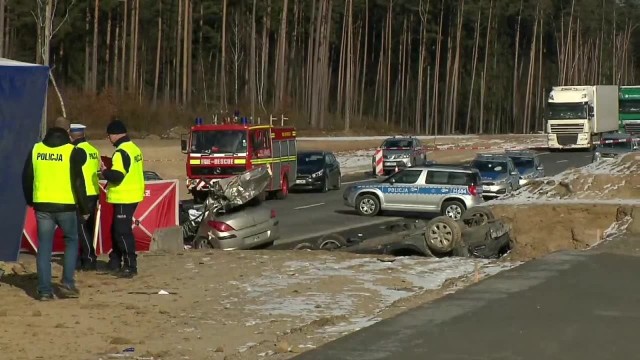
column 238, row 190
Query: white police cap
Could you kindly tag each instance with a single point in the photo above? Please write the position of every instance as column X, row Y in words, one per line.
column 77, row 127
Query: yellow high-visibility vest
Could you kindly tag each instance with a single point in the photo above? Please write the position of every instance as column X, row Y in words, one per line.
column 91, row 168
column 131, row 189
column 52, row 174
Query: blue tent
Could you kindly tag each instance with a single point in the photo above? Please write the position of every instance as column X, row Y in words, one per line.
column 23, row 90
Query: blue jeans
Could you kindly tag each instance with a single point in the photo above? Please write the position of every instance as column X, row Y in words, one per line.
column 47, row 222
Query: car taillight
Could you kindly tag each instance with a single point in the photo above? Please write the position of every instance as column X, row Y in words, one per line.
column 473, row 190
column 273, row 213
column 220, row 226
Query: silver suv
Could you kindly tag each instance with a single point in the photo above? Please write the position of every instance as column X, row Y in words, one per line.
column 499, row 174
column 445, row 189
column 401, row 153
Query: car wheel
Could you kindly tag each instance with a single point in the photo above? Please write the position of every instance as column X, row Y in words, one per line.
column 453, row 209
column 443, row 234
column 367, row 205
column 338, row 182
column 477, row 216
column 332, row 242
column 202, row 243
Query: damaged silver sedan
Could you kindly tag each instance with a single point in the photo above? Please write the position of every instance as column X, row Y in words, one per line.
column 232, row 217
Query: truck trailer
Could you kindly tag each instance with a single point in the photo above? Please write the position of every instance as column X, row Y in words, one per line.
column 629, row 103
column 576, row 116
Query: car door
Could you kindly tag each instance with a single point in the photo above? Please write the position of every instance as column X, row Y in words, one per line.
column 401, row 189
column 437, row 187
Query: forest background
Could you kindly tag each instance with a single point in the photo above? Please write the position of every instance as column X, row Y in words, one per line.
column 359, row 66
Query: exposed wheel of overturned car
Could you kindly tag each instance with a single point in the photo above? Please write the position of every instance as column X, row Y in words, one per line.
column 477, row 216
column 331, row 242
column 442, row 235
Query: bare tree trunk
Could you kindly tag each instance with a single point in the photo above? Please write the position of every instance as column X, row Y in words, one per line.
column 185, row 52
column 349, row 85
column 514, row 99
column 123, row 62
column 252, row 62
column 116, row 46
column 107, row 57
column 178, row 51
column 158, row 52
column 223, row 68
column 484, row 71
column 87, row 56
column 282, row 46
column 364, row 57
column 94, row 52
column 2, row 30
column 387, row 114
column 473, row 71
column 436, row 75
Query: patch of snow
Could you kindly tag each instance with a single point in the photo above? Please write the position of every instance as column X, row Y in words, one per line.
column 367, row 277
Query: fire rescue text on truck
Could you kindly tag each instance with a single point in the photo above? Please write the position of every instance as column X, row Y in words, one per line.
column 217, row 151
column 577, row 116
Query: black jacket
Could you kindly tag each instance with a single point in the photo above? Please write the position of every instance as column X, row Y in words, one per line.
column 57, row 137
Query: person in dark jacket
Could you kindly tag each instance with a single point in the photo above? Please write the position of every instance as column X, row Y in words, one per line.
column 125, row 190
column 53, row 184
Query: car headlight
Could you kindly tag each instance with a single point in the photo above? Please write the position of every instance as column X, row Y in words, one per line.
column 317, row 174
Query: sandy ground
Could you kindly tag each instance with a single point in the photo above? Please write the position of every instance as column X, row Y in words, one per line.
column 221, row 305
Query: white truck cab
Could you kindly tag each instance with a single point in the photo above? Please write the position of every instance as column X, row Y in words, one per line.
column 576, row 116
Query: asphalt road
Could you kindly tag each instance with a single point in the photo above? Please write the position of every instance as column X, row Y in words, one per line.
column 567, row 306
column 309, row 215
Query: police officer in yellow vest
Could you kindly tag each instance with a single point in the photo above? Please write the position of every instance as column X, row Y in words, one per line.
column 125, row 190
column 53, row 185
column 90, row 158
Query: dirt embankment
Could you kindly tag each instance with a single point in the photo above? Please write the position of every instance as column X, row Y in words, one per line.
column 573, row 210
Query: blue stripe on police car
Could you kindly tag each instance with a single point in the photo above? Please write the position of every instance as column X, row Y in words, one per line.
column 421, row 190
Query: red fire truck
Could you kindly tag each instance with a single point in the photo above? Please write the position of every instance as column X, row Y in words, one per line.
column 217, row 151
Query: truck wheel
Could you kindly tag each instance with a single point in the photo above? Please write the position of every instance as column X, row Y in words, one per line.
column 284, row 188
column 477, row 216
column 367, row 205
column 442, row 235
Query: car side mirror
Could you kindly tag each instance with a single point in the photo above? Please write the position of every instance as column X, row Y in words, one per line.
column 392, row 181
column 183, row 143
column 635, row 147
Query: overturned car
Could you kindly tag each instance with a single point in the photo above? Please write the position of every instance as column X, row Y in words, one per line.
column 232, row 217
column 476, row 234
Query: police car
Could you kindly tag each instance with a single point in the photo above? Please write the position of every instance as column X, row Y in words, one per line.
column 445, row 189
column 499, row 174
column 528, row 164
